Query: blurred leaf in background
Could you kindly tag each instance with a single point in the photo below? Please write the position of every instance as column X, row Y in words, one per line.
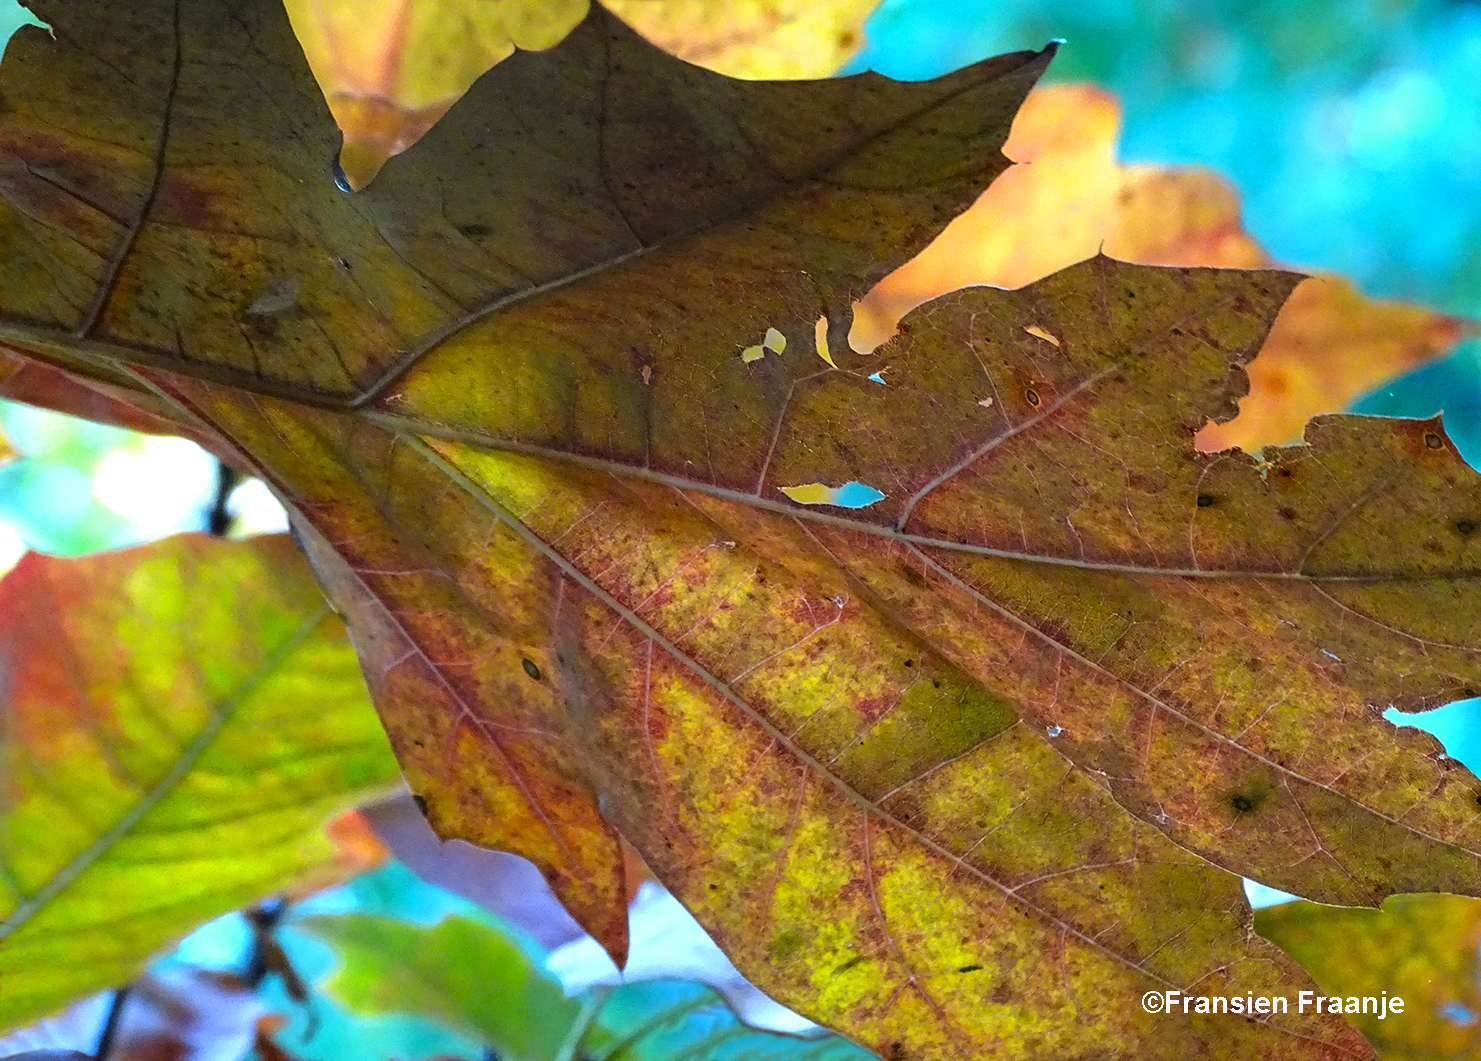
column 181, row 721
column 487, row 981
column 1421, row 948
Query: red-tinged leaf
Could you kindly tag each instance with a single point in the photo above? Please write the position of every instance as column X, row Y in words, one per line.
column 25, row 380
column 511, row 391
column 502, row 780
column 180, row 721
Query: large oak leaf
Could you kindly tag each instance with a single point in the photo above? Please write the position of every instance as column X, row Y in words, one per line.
column 956, row 772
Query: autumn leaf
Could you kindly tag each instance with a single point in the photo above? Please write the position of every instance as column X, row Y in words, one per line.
column 1421, row 948
column 391, row 68
column 1069, row 199
column 961, row 772
column 181, row 719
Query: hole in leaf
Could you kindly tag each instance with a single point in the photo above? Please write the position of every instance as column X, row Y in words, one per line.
column 1261, row 895
column 774, row 342
column 820, row 337
column 530, row 668
column 1457, row 726
column 1432, row 441
column 1458, row 1014
column 876, row 377
column 849, row 495
column 1032, row 397
column 1040, row 333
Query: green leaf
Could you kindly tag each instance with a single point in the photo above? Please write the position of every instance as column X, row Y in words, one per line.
column 1421, row 948
column 180, row 721
column 483, row 982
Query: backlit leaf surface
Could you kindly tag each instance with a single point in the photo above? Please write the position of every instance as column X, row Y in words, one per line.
column 961, row 772
column 180, row 721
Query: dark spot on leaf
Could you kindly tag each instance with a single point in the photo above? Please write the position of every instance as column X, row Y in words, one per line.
column 1287, row 512
column 1204, row 500
column 1432, row 441
column 473, row 231
column 530, row 668
column 1478, row 799
column 969, row 968
column 910, row 663
column 421, row 803
column 1465, row 526
column 1032, row 397
column 1242, row 803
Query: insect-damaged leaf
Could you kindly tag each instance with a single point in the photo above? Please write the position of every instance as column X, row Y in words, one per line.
column 509, row 394
column 602, row 156
column 180, row 720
